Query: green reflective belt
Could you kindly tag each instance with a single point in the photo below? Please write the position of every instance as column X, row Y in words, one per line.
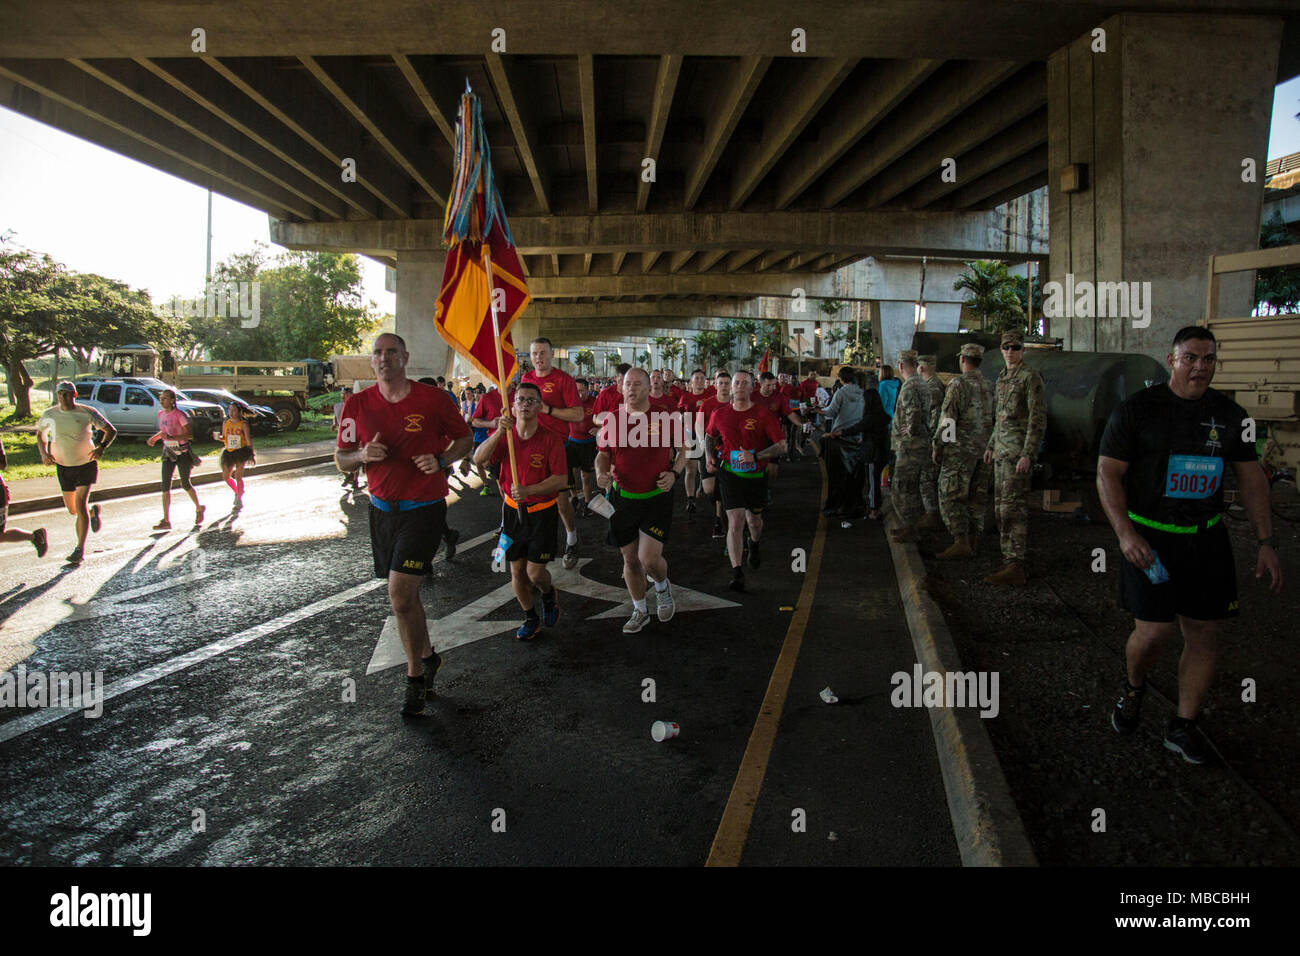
column 1175, row 528
column 637, row 494
column 745, row 474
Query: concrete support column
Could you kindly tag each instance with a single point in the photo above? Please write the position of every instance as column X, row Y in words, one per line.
column 419, row 280
column 1163, row 120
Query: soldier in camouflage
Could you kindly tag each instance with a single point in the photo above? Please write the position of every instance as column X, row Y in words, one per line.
column 911, row 443
column 1021, row 421
column 928, row 366
column 965, row 423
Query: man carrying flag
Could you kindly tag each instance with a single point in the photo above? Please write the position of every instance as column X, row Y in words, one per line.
column 561, row 407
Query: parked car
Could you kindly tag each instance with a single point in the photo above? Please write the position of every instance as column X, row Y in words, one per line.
column 262, row 420
column 133, row 409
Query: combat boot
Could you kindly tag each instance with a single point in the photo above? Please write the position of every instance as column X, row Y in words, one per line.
column 961, row 547
column 930, row 522
column 1013, row 574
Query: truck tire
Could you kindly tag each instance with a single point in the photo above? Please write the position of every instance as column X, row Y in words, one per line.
column 289, row 415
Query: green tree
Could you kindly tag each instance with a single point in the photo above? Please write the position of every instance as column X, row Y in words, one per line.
column 643, row 359
column 32, row 286
column 991, row 294
column 712, row 348
column 1278, row 289
column 672, row 349
column 108, row 314
column 585, row 359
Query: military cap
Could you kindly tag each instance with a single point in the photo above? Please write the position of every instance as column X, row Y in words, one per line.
column 929, row 360
column 1013, row 335
column 907, row 355
column 972, row 350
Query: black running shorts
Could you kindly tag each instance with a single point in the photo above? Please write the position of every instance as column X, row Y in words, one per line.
column 1202, row 581
column 580, row 455
column 72, row 477
column 534, row 538
column 405, row 541
column 636, row 516
column 747, row 493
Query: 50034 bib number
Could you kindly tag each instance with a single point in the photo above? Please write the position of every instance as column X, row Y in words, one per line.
column 1193, row 476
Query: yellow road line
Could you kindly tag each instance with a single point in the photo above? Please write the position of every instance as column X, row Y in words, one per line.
column 733, row 830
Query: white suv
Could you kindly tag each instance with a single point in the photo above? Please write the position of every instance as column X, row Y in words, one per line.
column 133, row 409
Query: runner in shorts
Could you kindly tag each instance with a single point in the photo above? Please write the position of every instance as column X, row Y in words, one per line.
column 642, row 475
column 1164, row 457
column 747, row 437
column 405, row 433
column 236, row 453
column 38, row 537
column 711, row 403
column 351, row 480
column 64, row 439
column 175, row 433
column 689, row 405
column 580, row 450
column 486, row 415
column 529, row 539
column 561, row 407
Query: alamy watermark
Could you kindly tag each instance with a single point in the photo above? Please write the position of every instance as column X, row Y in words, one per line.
column 1090, row 300
column 65, row 690
column 234, row 300
column 948, row 689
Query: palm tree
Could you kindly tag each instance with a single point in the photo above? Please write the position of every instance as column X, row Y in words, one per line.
column 991, row 294
column 585, row 358
column 643, row 359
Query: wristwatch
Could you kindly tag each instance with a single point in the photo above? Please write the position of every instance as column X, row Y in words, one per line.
column 548, row 409
column 1268, row 541
column 441, row 463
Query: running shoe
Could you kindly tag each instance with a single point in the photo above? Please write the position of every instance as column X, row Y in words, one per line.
column 40, row 541
column 528, row 630
column 636, row 622
column 665, row 606
column 432, row 665
column 451, row 537
column 238, row 506
column 1183, row 737
column 413, row 706
column 483, row 492
column 95, row 522
column 737, row 580
column 76, row 556
column 755, row 559
column 550, row 610
column 163, row 525
column 199, row 513
column 1128, row 709
column 690, row 506
column 570, row 557
column 719, row 530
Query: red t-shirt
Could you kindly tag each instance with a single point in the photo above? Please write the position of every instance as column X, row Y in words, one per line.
column 559, row 390
column 808, row 389
column 664, row 403
column 581, row 431
column 676, row 391
column 751, row 430
column 425, row 422
column 710, row 391
column 637, row 469
column 608, row 400
column 791, row 395
column 537, row 458
column 690, row 402
column 489, row 408
column 774, row 403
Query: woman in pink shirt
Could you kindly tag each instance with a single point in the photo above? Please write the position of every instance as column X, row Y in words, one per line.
column 175, row 434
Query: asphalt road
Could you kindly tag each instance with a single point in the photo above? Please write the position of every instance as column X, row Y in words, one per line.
column 228, row 652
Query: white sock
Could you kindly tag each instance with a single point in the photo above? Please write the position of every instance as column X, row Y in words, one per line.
column 661, row 586
column 570, row 537
column 639, row 605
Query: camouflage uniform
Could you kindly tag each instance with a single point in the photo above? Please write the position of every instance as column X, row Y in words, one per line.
column 911, row 443
column 930, row 471
column 963, row 476
column 1021, row 421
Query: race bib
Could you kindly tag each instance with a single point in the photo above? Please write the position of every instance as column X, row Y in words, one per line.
column 234, row 441
column 171, row 445
column 1193, row 476
column 794, row 404
column 738, row 465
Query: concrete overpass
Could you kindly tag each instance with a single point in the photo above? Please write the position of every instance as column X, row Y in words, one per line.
column 788, row 142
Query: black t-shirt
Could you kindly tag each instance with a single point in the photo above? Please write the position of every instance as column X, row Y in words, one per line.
column 1178, row 452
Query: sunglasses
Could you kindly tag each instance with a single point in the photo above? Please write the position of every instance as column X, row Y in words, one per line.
column 525, row 402
column 1012, row 347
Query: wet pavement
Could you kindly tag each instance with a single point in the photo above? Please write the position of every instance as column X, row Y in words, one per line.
column 250, row 717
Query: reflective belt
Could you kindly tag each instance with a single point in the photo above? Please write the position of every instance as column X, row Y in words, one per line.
column 637, row 494
column 761, row 473
column 540, row 506
column 403, row 505
column 1175, row 528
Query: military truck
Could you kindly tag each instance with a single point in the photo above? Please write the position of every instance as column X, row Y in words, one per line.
column 1259, row 359
column 282, row 386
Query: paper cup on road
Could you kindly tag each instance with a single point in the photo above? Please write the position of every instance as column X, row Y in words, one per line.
column 662, row 730
column 828, row 696
column 600, row 504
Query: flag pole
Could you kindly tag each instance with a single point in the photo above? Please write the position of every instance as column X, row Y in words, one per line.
column 501, row 371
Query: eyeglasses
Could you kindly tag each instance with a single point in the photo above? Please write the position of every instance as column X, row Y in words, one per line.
column 525, row 402
column 1012, row 347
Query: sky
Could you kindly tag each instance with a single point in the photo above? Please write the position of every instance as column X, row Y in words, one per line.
column 96, row 211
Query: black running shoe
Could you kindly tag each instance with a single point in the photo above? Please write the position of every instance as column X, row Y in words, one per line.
column 95, row 522
column 719, row 529
column 1184, row 737
column 737, row 580
column 40, row 541
column 451, row 537
column 755, row 559
column 690, row 506
column 76, row 556
column 413, row 706
column 432, row 665
column 1128, row 709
